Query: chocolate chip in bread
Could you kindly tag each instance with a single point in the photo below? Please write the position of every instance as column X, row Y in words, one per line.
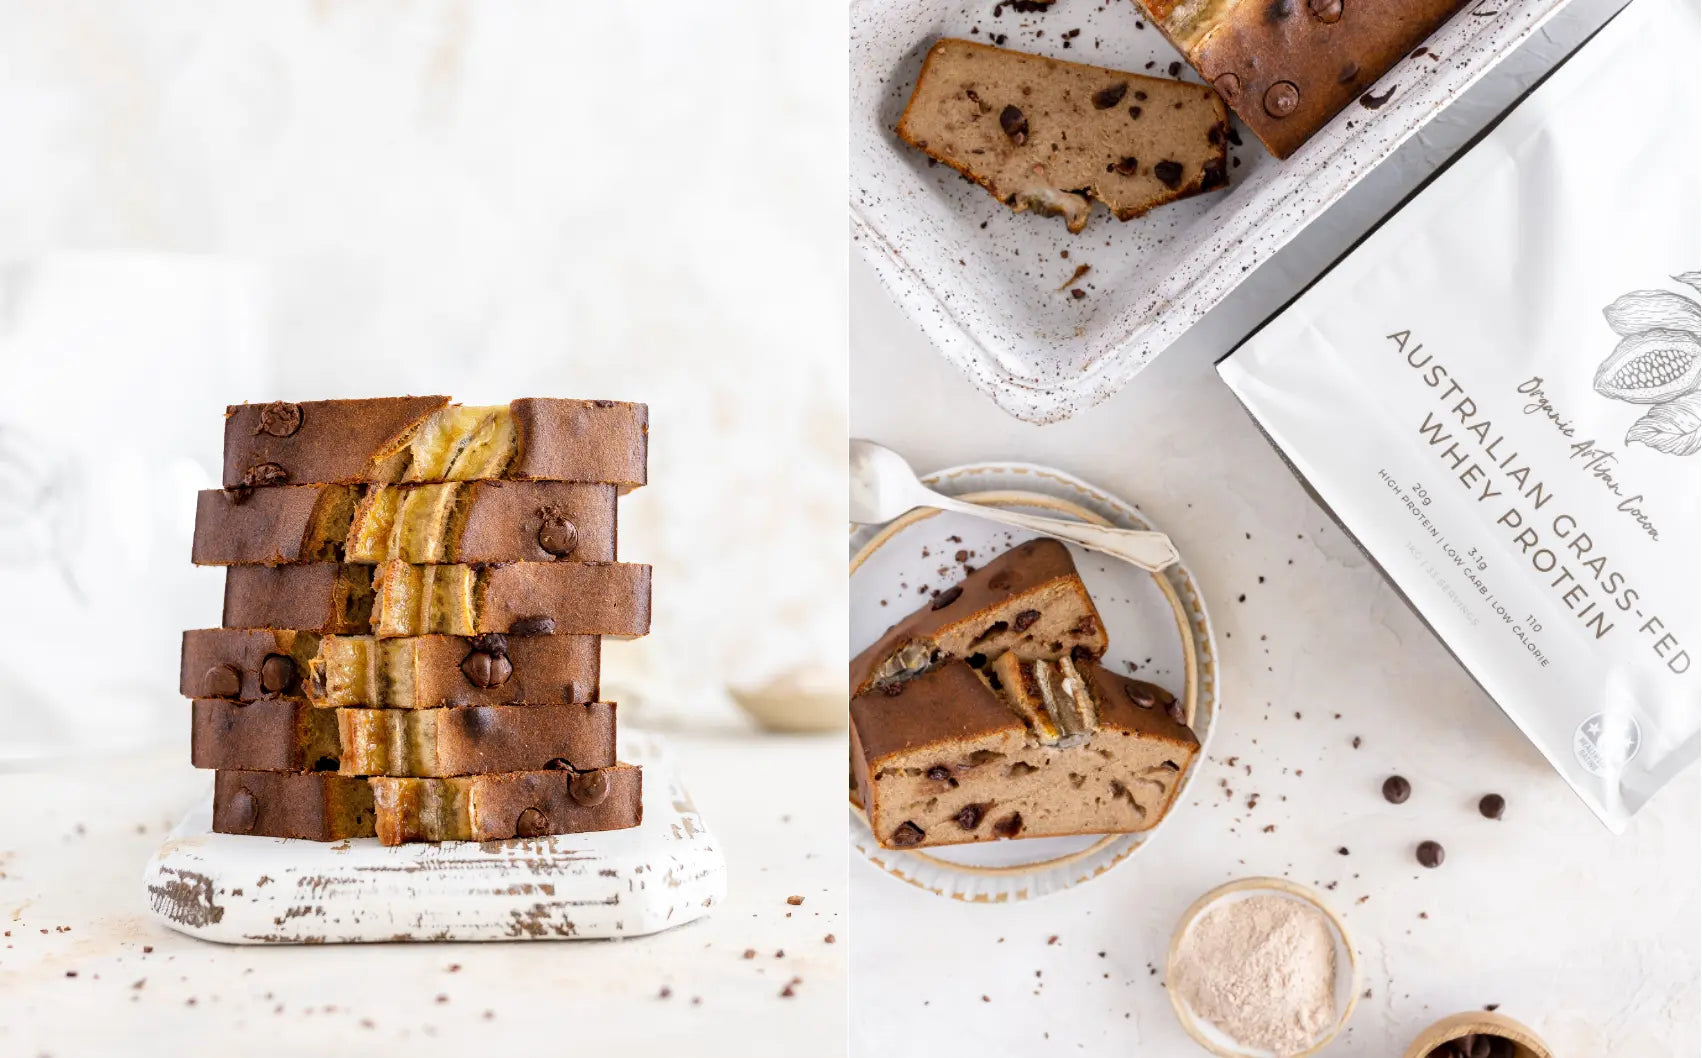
column 1051, row 136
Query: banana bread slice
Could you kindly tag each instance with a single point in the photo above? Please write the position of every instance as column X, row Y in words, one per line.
column 1050, row 136
column 474, row 521
column 283, row 734
column 424, row 672
column 949, row 759
column 1029, row 600
column 245, row 663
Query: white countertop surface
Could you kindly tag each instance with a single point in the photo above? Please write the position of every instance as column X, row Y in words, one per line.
column 86, row 970
column 1590, row 939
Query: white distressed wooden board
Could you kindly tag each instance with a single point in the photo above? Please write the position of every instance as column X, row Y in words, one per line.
column 237, row 889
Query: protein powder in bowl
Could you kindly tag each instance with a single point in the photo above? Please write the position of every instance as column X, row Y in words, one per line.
column 1262, row 968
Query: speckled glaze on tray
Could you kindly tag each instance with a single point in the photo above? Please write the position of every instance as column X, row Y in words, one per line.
column 984, row 283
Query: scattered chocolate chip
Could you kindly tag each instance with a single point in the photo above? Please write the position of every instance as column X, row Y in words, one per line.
column 538, row 625
column 1372, row 101
column 589, row 788
column 1010, row 826
column 946, row 598
column 1127, row 167
column 222, row 681
column 1106, row 98
column 1281, row 99
column 1492, row 806
column 262, row 474
column 1015, row 125
column 969, row 817
column 1175, row 69
column 243, row 810
column 1326, row 10
column 277, row 674
column 1430, row 853
column 1078, row 293
column 486, row 670
column 794, row 900
column 556, row 534
column 906, row 835
column 1396, row 790
column 1228, row 85
column 1342, row 851
column 532, row 823
column 279, row 418
column 1169, row 174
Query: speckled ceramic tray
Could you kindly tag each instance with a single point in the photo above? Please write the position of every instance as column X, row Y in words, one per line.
column 1157, row 625
column 625, row 883
column 991, row 288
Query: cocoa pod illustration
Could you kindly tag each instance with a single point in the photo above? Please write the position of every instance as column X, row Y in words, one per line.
column 1674, row 427
column 1651, row 368
column 1647, row 310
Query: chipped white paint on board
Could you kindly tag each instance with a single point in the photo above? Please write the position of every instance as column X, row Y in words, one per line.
column 984, row 283
column 235, row 889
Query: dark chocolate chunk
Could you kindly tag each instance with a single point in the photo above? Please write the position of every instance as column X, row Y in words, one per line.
column 1177, row 713
column 1010, row 826
column 1430, row 853
column 589, row 788
column 1348, row 74
column 976, row 661
column 1175, row 69
column 243, row 811
column 222, row 681
column 1213, row 175
column 536, row 625
column 969, row 817
column 1087, row 626
column 279, row 418
column 1228, row 85
column 1128, row 166
column 277, row 674
column 1326, row 10
column 939, row 773
column 946, row 598
column 1141, row 696
column 262, row 474
column 490, row 643
column 1023, row 621
column 1396, row 790
column 1492, row 806
column 906, row 835
column 532, row 823
column 487, row 670
column 1015, row 125
column 1106, row 98
column 556, row 534
column 1169, row 174
column 1281, row 99
column 1081, row 652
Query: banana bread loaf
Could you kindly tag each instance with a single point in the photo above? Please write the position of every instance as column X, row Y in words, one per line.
column 473, row 522
column 951, row 758
column 1029, row 600
column 400, row 439
column 283, row 734
column 1287, row 67
column 1050, row 136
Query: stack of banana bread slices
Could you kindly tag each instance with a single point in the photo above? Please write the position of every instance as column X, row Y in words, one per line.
column 415, row 596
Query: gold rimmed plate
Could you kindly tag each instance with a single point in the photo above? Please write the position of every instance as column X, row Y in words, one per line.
column 1156, row 623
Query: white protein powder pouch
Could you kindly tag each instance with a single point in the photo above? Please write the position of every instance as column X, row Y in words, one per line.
column 1496, row 394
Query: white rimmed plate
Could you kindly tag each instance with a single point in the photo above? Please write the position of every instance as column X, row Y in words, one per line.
column 1156, row 623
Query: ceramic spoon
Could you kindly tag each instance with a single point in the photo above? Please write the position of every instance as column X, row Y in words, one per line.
column 883, row 487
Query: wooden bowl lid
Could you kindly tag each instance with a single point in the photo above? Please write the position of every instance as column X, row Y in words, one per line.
column 1527, row 1044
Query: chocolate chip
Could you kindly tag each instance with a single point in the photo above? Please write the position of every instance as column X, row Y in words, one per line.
column 556, row 534
column 1175, row 68
column 243, row 810
column 277, row 674
column 477, row 721
column 1128, row 166
column 1106, row 98
column 262, row 474
column 1140, row 694
column 976, row 660
column 1213, row 175
column 536, row 625
column 969, row 817
column 1010, row 826
column 589, row 788
column 1430, row 853
column 1014, row 124
column 1177, row 713
column 1169, row 174
column 1000, row 581
column 1492, row 806
column 279, row 418
column 1025, row 620
column 1373, row 101
column 1087, row 626
column 1281, row 99
column 1081, row 652
column 1326, row 10
column 939, row 773
column 1396, row 790
column 1228, row 85
column 531, row 824
column 1214, row 135
column 1277, row 10
column 486, row 670
column 906, row 835
column 1140, row 95
column 1348, row 74
column 490, row 643
column 222, row 681
column 559, row 764
column 946, row 598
